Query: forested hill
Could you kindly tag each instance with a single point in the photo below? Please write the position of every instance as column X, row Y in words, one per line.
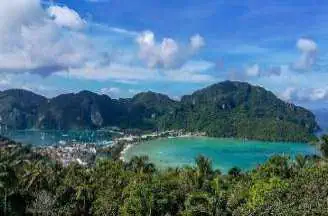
column 237, row 109
column 226, row 109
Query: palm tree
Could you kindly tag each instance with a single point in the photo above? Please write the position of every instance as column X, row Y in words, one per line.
column 8, row 181
column 234, row 172
column 43, row 204
column 9, row 160
column 141, row 165
column 204, row 169
column 198, row 203
column 324, row 145
column 79, row 180
column 138, row 200
column 111, row 179
column 219, row 199
column 37, row 176
column 300, row 161
column 204, row 165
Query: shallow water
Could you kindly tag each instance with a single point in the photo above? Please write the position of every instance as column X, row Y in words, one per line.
column 224, row 153
column 54, row 137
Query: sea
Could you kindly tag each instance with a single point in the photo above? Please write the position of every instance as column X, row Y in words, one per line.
column 45, row 138
column 174, row 152
column 224, row 153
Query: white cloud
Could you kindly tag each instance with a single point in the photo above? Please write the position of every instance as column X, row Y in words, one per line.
column 197, row 42
column 44, row 39
column 114, row 71
column 66, row 17
column 319, row 94
column 168, row 53
column 113, row 92
column 123, row 31
column 192, row 71
column 306, row 45
column 110, row 90
column 308, row 49
column 304, row 94
column 253, row 70
column 29, row 82
column 134, row 91
column 5, row 81
column 256, row 71
column 288, row 94
column 30, row 40
column 149, row 51
column 154, row 54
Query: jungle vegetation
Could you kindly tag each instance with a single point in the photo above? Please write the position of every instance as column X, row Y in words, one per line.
column 226, row 109
column 33, row 185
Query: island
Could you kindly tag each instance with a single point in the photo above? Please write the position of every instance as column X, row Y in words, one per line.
column 226, row 109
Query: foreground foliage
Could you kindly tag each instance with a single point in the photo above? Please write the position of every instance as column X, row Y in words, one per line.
column 31, row 185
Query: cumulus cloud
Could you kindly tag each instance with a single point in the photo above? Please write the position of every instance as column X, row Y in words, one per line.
column 306, row 45
column 288, row 94
column 121, row 31
column 154, row 54
column 308, row 49
column 197, row 42
column 134, row 91
column 46, row 39
column 256, row 71
column 114, row 71
column 115, row 92
column 168, row 53
column 31, row 82
column 33, row 41
column 66, row 17
column 253, row 70
column 193, row 70
column 112, row 91
column 304, row 94
column 5, row 81
column 319, row 94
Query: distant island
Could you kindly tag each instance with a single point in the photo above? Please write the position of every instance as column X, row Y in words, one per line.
column 226, row 109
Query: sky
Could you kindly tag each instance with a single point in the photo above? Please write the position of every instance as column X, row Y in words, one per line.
column 122, row 47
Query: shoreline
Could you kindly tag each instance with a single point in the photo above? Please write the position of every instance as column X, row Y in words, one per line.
column 128, row 146
column 118, row 147
column 150, row 137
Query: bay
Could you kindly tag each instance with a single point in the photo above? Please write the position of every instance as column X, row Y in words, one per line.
column 54, row 137
column 224, row 153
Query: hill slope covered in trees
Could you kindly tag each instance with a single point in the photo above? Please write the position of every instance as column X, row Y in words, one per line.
column 34, row 185
column 226, row 109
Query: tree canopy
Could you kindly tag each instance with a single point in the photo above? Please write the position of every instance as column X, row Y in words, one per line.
column 32, row 185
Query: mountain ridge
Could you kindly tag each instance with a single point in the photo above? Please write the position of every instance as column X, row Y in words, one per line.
column 225, row 109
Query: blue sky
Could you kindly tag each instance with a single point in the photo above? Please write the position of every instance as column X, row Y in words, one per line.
column 122, row 47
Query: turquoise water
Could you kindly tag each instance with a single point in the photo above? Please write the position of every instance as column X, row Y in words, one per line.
column 224, row 153
column 54, row 137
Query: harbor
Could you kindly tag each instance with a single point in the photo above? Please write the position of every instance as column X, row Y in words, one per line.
column 85, row 147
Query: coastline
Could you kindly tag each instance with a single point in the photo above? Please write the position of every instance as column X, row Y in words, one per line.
column 118, row 147
column 123, row 152
column 129, row 145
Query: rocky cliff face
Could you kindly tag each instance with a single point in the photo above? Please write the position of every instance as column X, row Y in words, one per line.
column 19, row 108
column 227, row 109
